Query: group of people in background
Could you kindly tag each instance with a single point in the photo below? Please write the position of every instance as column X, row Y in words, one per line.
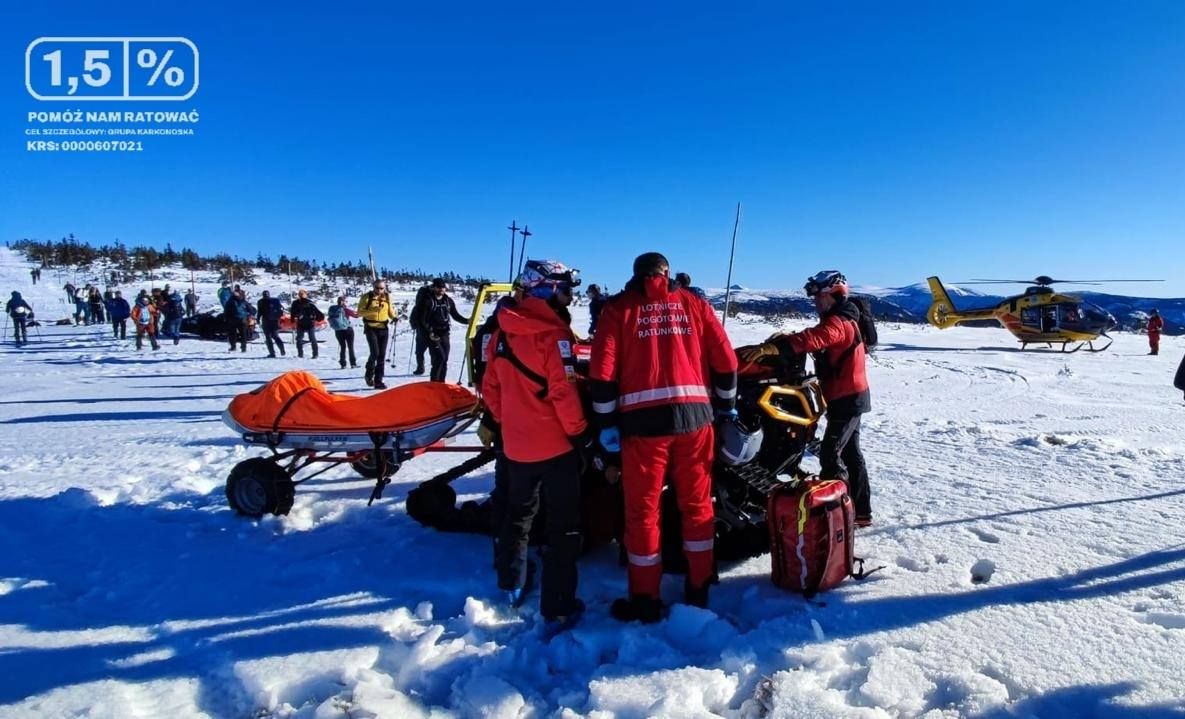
column 431, row 319
column 154, row 313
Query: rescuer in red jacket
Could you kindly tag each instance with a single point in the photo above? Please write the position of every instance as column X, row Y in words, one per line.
column 661, row 363
column 838, row 352
column 1155, row 327
column 530, row 389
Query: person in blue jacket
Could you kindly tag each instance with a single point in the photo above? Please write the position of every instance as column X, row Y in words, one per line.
column 339, row 320
column 118, row 311
column 238, row 320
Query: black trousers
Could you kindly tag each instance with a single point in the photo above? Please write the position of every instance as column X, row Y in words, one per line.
column 238, row 332
column 300, row 334
column 557, row 480
column 840, row 458
column 120, row 329
column 438, row 351
column 271, row 336
column 421, row 348
column 376, row 342
column 345, row 341
column 20, row 329
column 498, row 498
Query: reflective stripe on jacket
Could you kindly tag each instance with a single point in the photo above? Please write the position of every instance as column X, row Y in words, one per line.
column 660, row 362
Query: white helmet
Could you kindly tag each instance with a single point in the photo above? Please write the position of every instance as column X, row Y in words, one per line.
column 738, row 444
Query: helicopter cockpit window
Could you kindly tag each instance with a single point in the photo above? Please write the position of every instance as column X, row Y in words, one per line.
column 1094, row 314
column 1070, row 314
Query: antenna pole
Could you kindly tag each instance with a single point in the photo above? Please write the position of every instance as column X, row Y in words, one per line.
column 731, row 255
column 513, row 233
column 523, row 249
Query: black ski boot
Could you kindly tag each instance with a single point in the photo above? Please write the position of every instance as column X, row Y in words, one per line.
column 696, row 596
column 637, row 608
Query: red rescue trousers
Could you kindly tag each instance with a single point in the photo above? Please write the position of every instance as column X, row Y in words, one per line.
column 1154, row 342
column 686, row 459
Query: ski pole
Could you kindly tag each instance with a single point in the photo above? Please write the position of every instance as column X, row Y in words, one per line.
column 391, row 344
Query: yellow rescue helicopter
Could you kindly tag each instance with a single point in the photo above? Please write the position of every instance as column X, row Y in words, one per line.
column 1038, row 316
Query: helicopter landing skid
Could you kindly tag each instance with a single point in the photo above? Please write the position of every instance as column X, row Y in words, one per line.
column 1072, row 347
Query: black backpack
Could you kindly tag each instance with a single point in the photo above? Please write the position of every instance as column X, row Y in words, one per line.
column 866, row 323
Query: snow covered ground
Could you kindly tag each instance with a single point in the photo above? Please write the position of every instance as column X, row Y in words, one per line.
column 1030, row 514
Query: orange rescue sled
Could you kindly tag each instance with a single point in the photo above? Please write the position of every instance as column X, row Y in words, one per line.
column 301, row 422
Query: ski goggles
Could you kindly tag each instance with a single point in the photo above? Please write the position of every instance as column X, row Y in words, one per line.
column 547, row 289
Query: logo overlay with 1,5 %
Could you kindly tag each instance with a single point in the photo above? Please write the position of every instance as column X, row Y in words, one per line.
column 74, row 69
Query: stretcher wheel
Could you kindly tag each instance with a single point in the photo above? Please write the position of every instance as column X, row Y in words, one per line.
column 259, row 486
column 367, row 467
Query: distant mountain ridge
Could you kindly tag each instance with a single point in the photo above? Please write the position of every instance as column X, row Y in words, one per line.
column 910, row 303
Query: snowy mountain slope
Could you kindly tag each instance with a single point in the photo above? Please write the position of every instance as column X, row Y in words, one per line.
column 910, row 303
column 1029, row 512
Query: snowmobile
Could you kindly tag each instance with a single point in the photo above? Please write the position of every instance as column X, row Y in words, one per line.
column 777, row 396
column 210, row 325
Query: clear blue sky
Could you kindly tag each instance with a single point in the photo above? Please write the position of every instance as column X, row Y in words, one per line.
column 889, row 140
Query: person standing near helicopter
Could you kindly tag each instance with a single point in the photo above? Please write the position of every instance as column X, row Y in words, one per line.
column 1155, row 327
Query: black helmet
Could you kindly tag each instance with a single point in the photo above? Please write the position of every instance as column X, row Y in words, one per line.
column 738, row 444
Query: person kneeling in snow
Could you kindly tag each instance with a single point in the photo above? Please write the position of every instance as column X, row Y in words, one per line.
column 530, row 389
column 838, row 350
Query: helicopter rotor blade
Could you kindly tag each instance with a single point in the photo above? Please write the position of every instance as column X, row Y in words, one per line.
column 994, row 282
column 1098, row 282
column 1044, row 281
